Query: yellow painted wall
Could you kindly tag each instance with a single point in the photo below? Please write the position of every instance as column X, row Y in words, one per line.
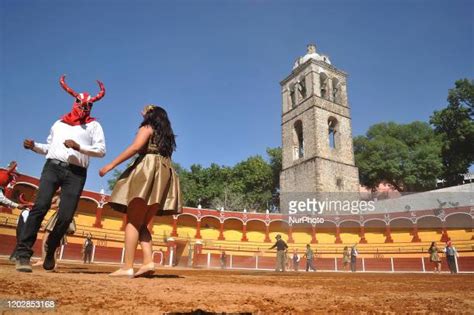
column 160, row 229
column 186, row 231
column 429, row 236
column 233, row 235
column 401, row 237
column 255, row 236
column 111, row 223
column 209, row 233
column 85, row 219
column 300, row 237
column 459, row 235
column 349, row 238
column 325, row 238
column 375, row 237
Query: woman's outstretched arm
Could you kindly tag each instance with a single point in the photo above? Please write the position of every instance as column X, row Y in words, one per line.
column 141, row 139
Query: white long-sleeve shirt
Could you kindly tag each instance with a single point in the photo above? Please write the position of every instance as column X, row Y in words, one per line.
column 90, row 137
column 4, row 201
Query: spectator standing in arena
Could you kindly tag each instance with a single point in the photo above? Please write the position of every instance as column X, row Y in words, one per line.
column 190, row 256
column 354, row 254
column 87, row 249
column 223, row 260
column 296, row 260
column 281, row 253
column 309, row 255
column 451, row 254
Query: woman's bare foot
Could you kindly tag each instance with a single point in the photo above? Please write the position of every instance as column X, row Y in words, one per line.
column 146, row 270
column 128, row 273
column 38, row 263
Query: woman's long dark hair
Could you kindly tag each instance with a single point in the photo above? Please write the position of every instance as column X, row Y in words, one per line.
column 157, row 118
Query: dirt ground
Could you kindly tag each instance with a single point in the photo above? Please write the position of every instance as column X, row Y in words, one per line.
column 77, row 288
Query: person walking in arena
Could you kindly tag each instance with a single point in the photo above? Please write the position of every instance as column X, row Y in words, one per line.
column 281, row 253
column 434, row 257
column 149, row 187
column 73, row 139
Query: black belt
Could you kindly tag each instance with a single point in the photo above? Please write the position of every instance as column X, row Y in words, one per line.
column 66, row 164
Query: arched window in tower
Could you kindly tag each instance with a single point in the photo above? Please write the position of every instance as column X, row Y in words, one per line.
column 323, row 83
column 298, row 140
column 292, row 96
column 301, row 85
column 336, row 90
column 332, row 131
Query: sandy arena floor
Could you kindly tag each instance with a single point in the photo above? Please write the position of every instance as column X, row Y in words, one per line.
column 87, row 289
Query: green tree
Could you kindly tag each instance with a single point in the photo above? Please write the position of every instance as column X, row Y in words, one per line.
column 249, row 184
column 229, row 200
column 454, row 124
column 113, row 180
column 202, row 185
column 253, row 178
column 275, row 159
column 404, row 156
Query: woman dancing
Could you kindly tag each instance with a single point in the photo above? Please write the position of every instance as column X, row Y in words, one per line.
column 149, row 187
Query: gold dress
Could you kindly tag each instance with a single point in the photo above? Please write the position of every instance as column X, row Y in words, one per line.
column 434, row 256
column 151, row 178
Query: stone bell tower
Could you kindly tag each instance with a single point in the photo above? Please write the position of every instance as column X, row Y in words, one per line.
column 317, row 143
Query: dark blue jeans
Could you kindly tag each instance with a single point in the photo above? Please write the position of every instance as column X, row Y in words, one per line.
column 451, row 263
column 71, row 179
column 353, row 263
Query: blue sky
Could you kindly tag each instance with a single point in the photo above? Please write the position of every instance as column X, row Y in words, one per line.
column 216, row 67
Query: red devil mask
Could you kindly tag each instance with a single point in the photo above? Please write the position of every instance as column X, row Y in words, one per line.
column 81, row 109
column 6, row 176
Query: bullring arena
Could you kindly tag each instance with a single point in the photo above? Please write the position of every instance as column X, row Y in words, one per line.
column 393, row 269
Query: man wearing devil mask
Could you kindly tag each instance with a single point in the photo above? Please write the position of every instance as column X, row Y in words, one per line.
column 72, row 140
column 7, row 177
